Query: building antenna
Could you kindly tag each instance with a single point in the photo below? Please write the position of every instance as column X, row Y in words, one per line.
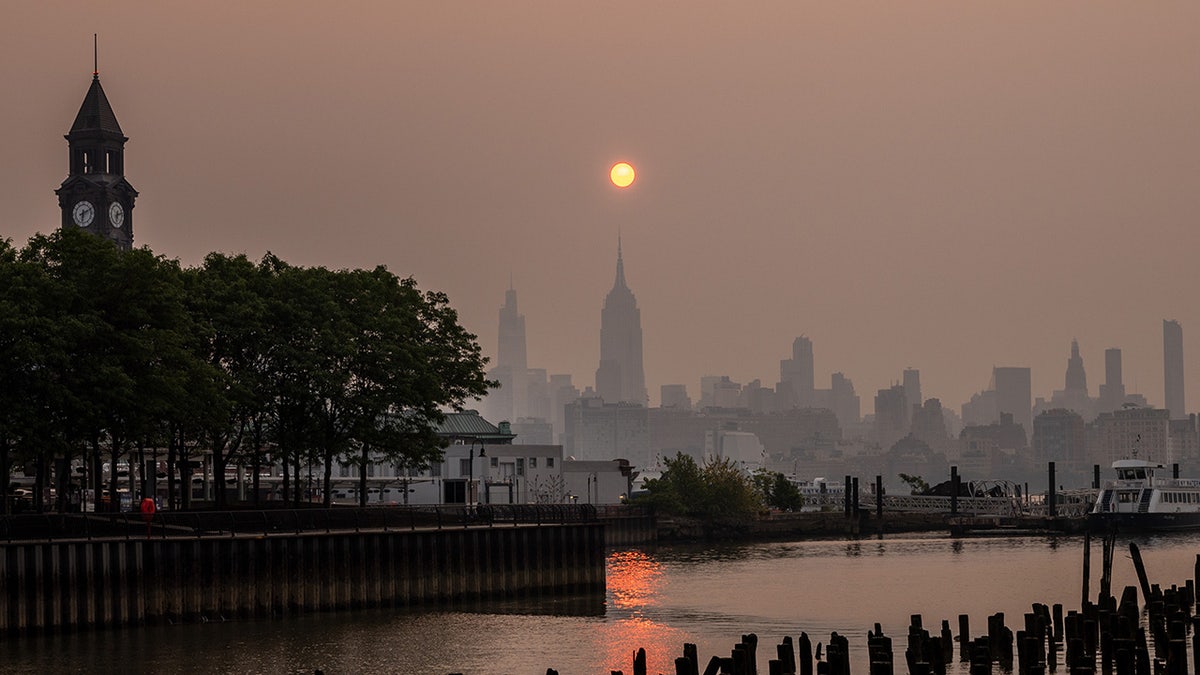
column 95, row 56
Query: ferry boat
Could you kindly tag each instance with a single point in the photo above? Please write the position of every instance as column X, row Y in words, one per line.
column 1142, row 499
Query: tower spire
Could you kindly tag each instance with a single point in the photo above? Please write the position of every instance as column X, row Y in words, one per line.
column 620, row 282
column 95, row 55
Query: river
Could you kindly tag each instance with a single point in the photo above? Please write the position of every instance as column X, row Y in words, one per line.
column 658, row 599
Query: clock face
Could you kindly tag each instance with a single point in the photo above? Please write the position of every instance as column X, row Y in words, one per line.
column 116, row 215
column 83, row 213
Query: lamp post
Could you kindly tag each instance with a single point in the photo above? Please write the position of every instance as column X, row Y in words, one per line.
column 471, row 469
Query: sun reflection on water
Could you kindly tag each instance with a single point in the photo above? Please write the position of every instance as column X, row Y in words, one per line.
column 635, row 581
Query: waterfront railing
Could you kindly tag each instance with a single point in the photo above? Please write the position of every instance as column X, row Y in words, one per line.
column 266, row 522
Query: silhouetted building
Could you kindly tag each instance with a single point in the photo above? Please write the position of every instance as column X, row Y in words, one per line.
column 1173, row 369
column 911, row 380
column 797, row 376
column 1122, row 432
column 1076, row 379
column 891, row 416
column 1185, row 442
column 562, row 392
column 994, row 450
column 929, row 426
column 95, row 197
column 621, row 377
column 1059, row 436
column 675, row 396
column 981, row 409
column 510, row 400
column 1014, row 394
column 1074, row 394
column 599, row 430
column 912, row 456
column 782, row 434
column 1112, row 392
column 845, row 402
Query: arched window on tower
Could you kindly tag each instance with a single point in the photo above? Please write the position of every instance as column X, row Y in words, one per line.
column 87, row 165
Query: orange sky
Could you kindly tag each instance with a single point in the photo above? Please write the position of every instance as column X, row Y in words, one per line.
column 944, row 185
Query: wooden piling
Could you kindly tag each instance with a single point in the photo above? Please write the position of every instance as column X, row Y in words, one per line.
column 1141, row 570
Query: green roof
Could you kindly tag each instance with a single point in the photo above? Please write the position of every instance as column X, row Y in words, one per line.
column 469, row 424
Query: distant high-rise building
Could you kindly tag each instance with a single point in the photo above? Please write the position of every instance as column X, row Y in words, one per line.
column 929, row 425
column 562, row 393
column 1173, row 369
column 674, row 396
column 1112, row 392
column 510, row 401
column 1058, row 436
column 846, row 404
column 511, row 344
column 912, row 389
column 598, row 430
column 1076, row 376
column 1121, row 433
column 1074, row 394
column 621, row 377
column 1014, row 394
column 891, row 420
column 796, row 374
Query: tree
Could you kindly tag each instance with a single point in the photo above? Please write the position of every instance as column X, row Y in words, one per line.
column 777, row 491
column 916, row 484
column 719, row 490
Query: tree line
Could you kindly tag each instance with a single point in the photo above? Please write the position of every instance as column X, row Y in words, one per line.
column 110, row 355
column 718, row 490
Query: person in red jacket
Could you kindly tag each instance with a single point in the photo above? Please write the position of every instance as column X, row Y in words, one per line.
column 147, row 509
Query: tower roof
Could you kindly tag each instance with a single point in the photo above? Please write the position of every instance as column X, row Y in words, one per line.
column 620, row 280
column 96, row 114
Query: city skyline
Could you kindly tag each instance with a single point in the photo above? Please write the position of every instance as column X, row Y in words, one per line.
column 858, row 175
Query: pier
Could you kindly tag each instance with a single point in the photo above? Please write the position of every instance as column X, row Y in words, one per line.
column 94, row 571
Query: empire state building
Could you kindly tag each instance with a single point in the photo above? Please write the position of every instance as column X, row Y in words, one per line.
column 620, row 377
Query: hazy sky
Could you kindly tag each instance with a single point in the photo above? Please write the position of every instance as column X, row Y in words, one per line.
column 943, row 185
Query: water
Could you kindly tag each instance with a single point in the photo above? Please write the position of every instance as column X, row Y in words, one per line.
column 657, row 599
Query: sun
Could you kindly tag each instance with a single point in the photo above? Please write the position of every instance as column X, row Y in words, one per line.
column 622, row 174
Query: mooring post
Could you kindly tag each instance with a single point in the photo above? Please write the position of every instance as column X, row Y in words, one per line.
column 878, row 497
column 954, row 490
column 804, row 646
column 1087, row 564
column 964, row 638
column 1141, row 570
column 1052, row 512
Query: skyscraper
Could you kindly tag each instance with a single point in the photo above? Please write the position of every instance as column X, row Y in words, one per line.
column 1076, row 377
column 1173, row 369
column 912, row 390
column 1112, row 392
column 511, row 400
column 1014, row 395
column 796, row 374
column 620, row 377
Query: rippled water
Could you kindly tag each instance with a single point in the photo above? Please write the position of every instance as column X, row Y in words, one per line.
column 657, row 599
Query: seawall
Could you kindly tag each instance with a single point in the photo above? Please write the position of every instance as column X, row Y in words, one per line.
column 72, row 584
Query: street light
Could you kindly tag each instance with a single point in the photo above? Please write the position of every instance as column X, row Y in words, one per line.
column 471, row 469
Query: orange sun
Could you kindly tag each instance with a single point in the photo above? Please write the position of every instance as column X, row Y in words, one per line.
column 622, row 174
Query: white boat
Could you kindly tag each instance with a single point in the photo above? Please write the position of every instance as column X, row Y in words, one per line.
column 1145, row 496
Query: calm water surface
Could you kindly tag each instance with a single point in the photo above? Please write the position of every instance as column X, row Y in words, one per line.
column 657, row 599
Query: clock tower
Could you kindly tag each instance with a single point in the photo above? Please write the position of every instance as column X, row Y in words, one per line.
column 95, row 197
